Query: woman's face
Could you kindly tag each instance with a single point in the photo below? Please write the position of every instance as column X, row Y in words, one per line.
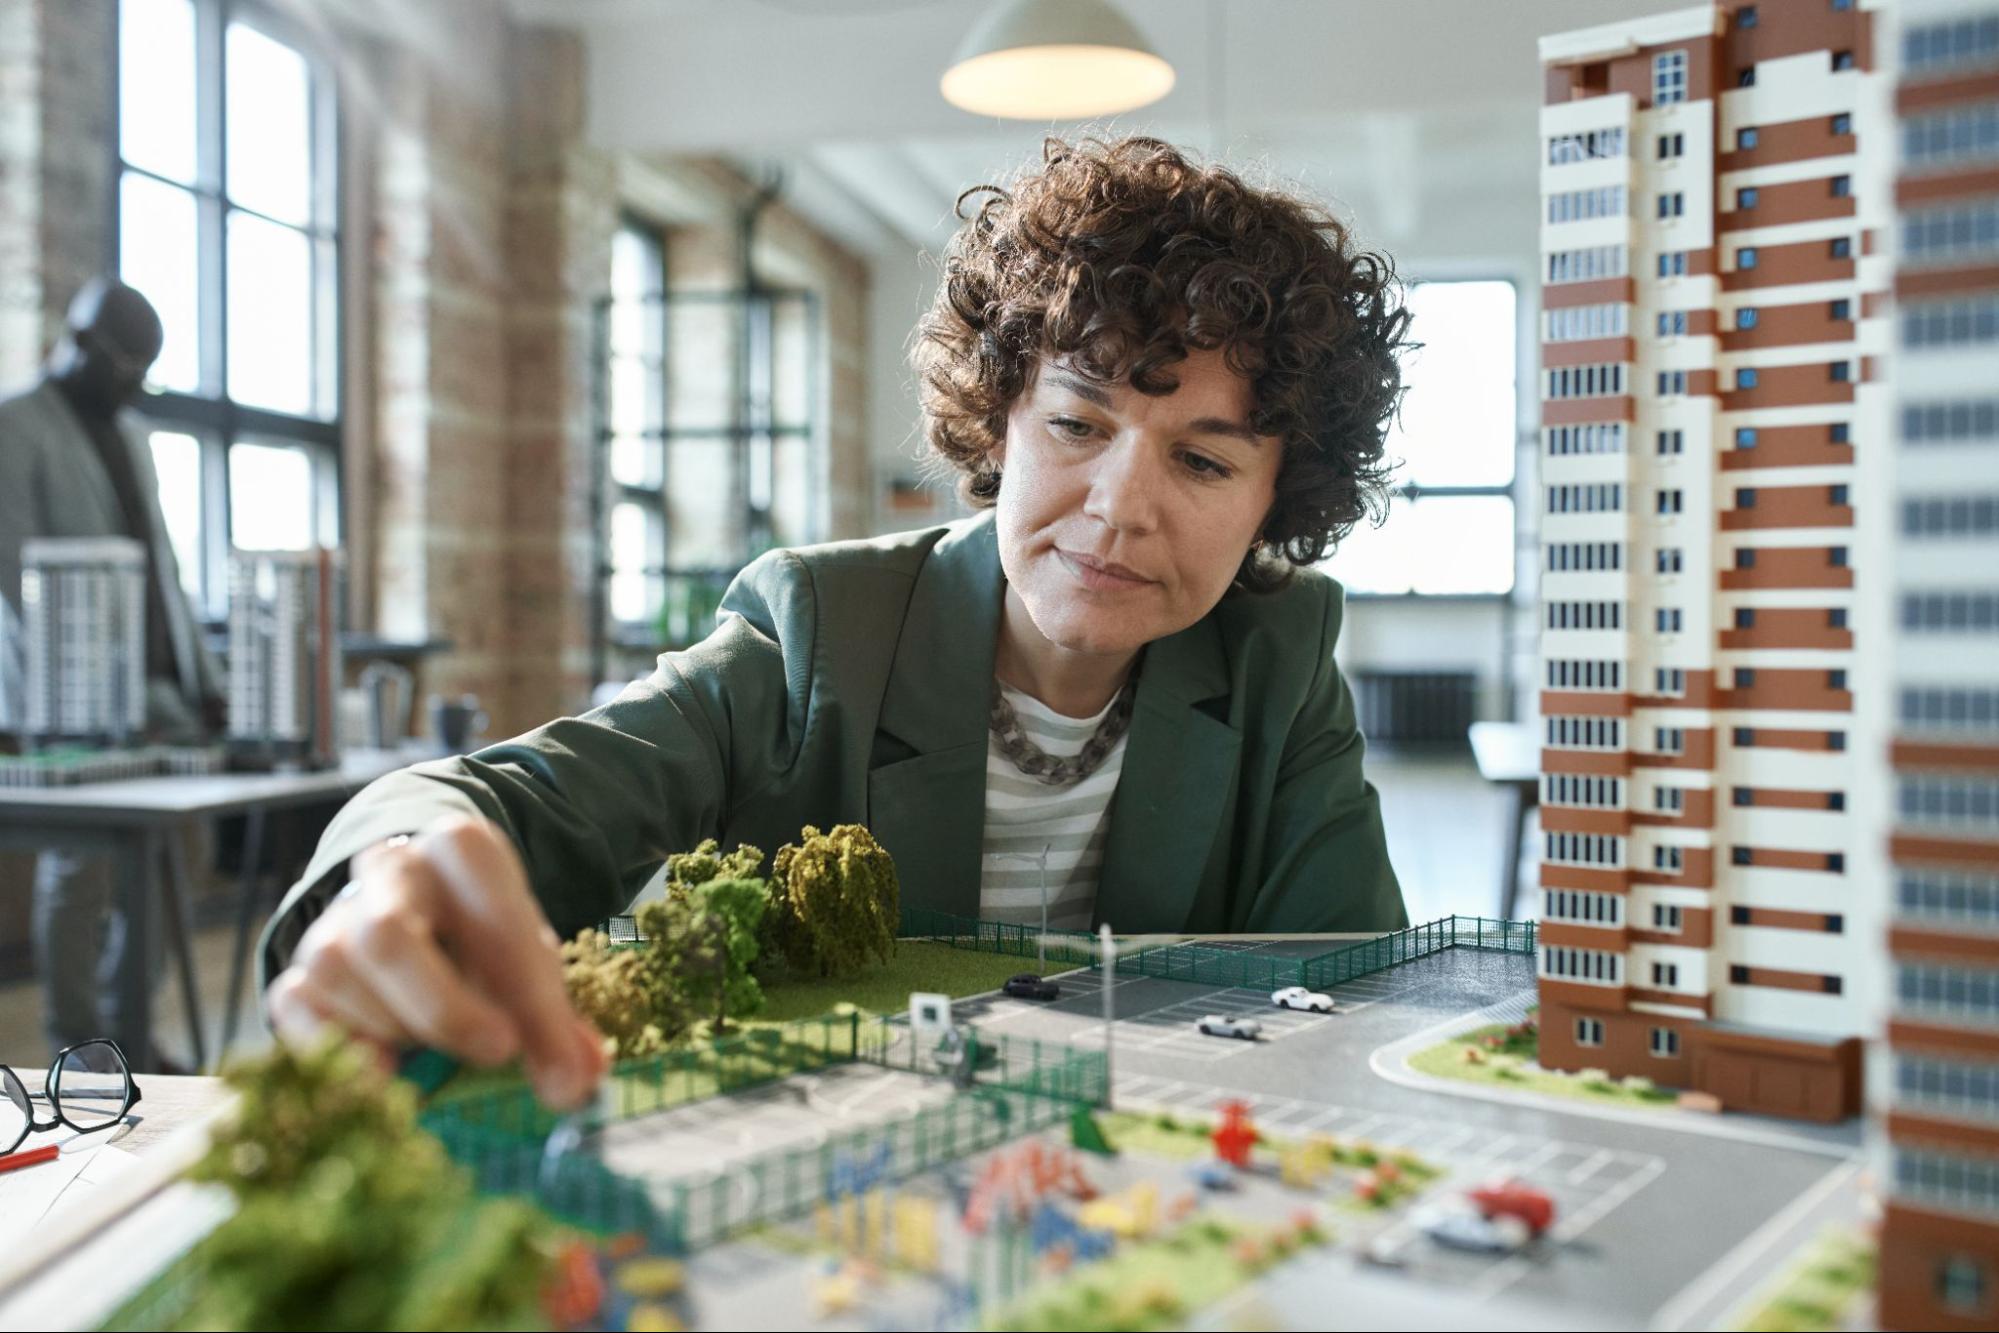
column 1122, row 518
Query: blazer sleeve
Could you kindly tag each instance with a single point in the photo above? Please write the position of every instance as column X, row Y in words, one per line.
column 1327, row 850
column 595, row 803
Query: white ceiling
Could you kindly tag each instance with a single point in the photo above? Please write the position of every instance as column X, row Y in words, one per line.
column 1415, row 118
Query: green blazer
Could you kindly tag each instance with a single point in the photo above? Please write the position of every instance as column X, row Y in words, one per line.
column 849, row 683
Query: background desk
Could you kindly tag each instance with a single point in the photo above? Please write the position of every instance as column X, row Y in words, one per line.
column 136, row 822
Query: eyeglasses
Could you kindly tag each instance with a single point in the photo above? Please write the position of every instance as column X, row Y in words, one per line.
column 89, row 1087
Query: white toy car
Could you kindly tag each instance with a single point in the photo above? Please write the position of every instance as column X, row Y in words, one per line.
column 1462, row 1228
column 1215, row 1025
column 1297, row 997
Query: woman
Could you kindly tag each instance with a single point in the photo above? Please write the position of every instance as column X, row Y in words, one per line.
column 1167, row 391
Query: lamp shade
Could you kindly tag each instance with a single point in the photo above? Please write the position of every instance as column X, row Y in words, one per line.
column 1055, row 60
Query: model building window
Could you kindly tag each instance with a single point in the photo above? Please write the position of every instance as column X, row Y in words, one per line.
column 1745, row 437
column 1669, row 559
column 1671, row 681
column 1835, row 923
column 1669, row 77
column 1672, row 145
column 1839, row 370
column 1672, row 264
column 1451, row 526
column 1952, row 323
column 1745, row 139
column 1835, row 740
column 1842, row 60
column 1836, row 557
column 1583, row 965
column 1745, row 257
column 1948, row 990
column 1961, row 1282
column 1745, row 377
column 1672, row 322
column 1745, row 318
column 1836, row 617
column 1965, row 711
column 1586, row 733
column 1837, row 495
column 1744, row 736
column 1669, row 740
column 1745, row 678
column 1745, row 198
column 1962, row 133
column 1840, row 247
column 1745, row 17
column 1835, row 800
column 1840, row 310
column 1842, row 187
column 1672, row 441
column 1585, row 849
column 1743, row 795
column 1672, row 382
column 1840, row 432
column 1589, row 1032
column 1669, row 800
column 1665, row 1041
column 1745, row 617
column 1666, row 916
column 1947, row 895
column 1737, row 973
column 1671, row 500
column 1741, row 856
column 1746, row 77
column 227, row 214
column 1842, row 123
column 1665, row 974
column 1603, row 909
column 1673, row 204
column 1667, row 858
column 1668, row 619
column 1745, row 497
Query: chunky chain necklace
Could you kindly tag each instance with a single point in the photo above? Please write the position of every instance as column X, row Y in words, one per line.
column 1037, row 763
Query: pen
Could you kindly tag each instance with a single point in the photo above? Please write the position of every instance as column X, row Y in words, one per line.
column 15, row 1160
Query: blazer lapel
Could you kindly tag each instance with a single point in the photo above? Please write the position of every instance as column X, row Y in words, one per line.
column 928, row 808
column 1180, row 765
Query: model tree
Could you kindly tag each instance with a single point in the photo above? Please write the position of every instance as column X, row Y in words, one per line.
column 687, row 870
column 721, row 944
column 627, row 991
column 838, row 900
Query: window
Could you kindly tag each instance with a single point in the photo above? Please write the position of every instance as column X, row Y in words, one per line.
column 1589, row 965
column 1670, row 501
column 1745, row 139
column 1742, row 856
column 1672, row 382
column 1842, row 309
column 1590, row 437
column 1672, row 322
column 1962, row 133
column 1746, row 77
column 1836, row 617
column 1450, row 529
column 1953, row 233
column 1958, row 41
column 1840, row 247
column 1842, row 123
column 1666, row 916
column 1745, row 617
column 1669, row 77
column 1585, row 733
column 1737, row 973
column 1587, row 264
column 1835, row 800
column 1671, row 801
column 1745, row 736
column 1665, row 974
column 1672, row 441
column 1745, row 678
column 1949, row 896
column 1745, row 198
column 1672, row 145
column 1603, row 909
column 1745, row 557
column 227, row 219
column 1583, row 789
column 1745, row 377
column 1667, row 858
column 1842, row 187
column 1742, row 796
column 1587, row 849
column 1960, row 1284
column 1836, row 557
column 1745, row 437
column 1673, row 263
column 1669, row 740
column 1672, row 204
column 1584, row 557
column 1668, row 619
column 1957, row 322
column 1669, row 559
column 1842, row 60
column 1832, row 985
column 1589, row 1032
column 1835, row 923
column 1839, row 370
column 1836, row 862
column 1958, row 1182
column 1586, row 146
column 1745, row 318
column 1745, row 257
column 1574, row 323
column 1839, row 432
column 1835, row 740
column 1950, row 711
column 1836, row 495
column 1745, row 17
column 1739, row 916
column 1665, row 1041
column 1603, row 201
column 1745, row 497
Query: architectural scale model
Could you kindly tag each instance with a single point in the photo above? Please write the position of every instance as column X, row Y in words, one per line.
column 284, row 657
column 1940, row 1232
column 83, row 627
column 1718, row 196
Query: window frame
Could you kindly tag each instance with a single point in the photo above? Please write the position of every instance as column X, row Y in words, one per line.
column 210, row 414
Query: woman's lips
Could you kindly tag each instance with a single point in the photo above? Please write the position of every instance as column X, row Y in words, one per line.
column 1093, row 573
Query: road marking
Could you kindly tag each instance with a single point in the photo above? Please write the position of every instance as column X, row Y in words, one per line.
column 1589, row 1167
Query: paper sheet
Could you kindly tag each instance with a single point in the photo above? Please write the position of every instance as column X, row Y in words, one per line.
column 32, row 1193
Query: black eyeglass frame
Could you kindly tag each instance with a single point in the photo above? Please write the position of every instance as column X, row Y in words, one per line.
column 52, row 1094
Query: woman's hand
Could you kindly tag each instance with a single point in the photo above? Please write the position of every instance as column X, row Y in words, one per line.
column 439, row 941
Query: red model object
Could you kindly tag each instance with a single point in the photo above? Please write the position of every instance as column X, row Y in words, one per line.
column 1515, row 1198
column 1235, row 1135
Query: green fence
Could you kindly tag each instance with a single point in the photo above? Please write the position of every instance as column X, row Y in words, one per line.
column 1264, row 969
column 1077, row 948
column 1018, row 1085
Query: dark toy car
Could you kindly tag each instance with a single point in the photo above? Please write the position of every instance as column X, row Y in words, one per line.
column 1028, row 986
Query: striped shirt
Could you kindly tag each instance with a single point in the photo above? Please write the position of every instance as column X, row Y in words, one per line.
column 1024, row 815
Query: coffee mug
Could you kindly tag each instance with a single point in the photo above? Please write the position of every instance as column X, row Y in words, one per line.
column 456, row 722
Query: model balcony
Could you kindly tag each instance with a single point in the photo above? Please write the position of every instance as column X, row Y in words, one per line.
column 1788, row 507
column 1789, row 265
column 1788, row 627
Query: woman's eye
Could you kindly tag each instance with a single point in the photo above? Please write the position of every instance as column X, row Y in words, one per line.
column 1070, row 427
column 1208, row 467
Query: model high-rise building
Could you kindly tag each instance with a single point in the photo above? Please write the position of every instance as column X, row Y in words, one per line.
column 1716, row 211
column 284, row 657
column 1940, row 1230
column 83, row 630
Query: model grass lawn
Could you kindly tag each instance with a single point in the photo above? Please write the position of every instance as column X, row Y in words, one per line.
column 1505, row 1056
column 1823, row 1290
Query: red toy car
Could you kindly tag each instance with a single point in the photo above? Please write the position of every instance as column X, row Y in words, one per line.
column 1514, row 1198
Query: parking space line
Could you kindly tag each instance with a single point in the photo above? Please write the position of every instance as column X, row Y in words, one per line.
column 1589, row 1167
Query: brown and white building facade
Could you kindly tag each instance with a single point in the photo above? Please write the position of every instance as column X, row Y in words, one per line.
column 1938, row 1086
column 1717, row 188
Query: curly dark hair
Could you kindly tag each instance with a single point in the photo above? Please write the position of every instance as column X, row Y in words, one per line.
column 1124, row 256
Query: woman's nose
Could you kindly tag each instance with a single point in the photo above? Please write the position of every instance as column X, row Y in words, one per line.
column 1124, row 491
